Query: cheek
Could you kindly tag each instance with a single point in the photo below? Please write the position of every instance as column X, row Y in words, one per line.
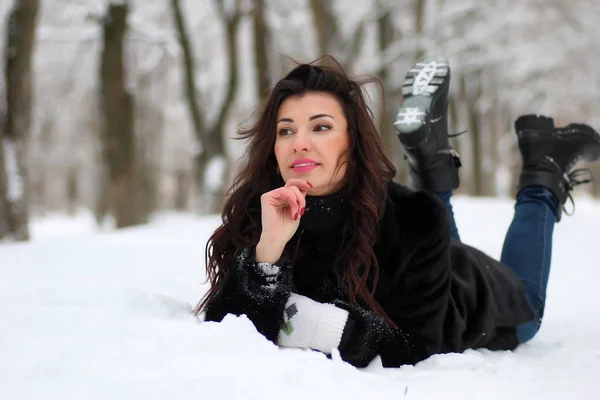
column 342, row 144
column 280, row 159
column 278, row 150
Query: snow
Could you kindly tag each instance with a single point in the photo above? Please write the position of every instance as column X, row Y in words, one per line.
column 99, row 314
column 14, row 180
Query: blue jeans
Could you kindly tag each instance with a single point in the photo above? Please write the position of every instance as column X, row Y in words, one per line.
column 527, row 247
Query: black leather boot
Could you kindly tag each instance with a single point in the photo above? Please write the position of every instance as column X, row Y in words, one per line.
column 549, row 154
column 422, row 126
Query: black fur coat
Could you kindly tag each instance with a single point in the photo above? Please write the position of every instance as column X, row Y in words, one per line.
column 442, row 295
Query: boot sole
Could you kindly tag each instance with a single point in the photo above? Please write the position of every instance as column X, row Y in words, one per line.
column 420, row 85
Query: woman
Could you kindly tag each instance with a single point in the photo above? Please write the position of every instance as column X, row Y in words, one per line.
column 321, row 250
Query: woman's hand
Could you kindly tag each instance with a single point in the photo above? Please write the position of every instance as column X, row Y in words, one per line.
column 281, row 211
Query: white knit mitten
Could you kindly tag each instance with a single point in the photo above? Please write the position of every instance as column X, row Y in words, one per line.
column 310, row 324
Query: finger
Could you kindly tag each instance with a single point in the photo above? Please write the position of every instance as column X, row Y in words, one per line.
column 274, row 199
column 293, row 204
column 299, row 198
column 301, row 184
column 284, row 197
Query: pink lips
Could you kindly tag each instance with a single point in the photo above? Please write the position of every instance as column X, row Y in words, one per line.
column 304, row 165
column 304, row 169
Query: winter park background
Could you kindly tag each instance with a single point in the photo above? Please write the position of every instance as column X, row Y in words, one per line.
column 102, row 248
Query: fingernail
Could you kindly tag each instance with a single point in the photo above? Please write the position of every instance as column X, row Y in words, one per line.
column 309, row 184
column 302, row 211
column 296, row 216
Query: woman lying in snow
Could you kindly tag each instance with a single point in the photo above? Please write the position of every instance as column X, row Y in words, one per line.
column 321, row 250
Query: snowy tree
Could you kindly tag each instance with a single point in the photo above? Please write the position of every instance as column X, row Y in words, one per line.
column 209, row 132
column 17, row 121
column 117, row 108
column 507, row 58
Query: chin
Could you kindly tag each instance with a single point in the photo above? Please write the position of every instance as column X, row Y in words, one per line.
column 320, row 191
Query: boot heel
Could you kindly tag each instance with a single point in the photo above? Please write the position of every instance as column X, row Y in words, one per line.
column 412, row 126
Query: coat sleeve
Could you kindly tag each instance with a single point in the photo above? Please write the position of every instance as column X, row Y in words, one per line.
column 247, row 291
column 414, row 295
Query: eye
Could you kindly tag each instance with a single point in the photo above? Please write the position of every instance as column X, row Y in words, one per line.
column 322, row 127
column 285, row 131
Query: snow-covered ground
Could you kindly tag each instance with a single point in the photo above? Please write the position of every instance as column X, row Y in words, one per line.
column 106, row 315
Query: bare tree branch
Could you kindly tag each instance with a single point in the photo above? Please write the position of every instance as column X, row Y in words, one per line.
column 198, row 119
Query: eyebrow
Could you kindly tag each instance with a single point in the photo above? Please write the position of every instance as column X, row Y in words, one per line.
column 317, row 116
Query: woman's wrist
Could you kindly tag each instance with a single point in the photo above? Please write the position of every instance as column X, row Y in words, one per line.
column 269, row 251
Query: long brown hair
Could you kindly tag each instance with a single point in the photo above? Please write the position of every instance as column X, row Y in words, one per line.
column 366, row 177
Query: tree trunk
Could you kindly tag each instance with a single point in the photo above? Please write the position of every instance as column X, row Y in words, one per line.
column 329, row 37
column 72, row 190
column 4, row 210
column 149, row 124
column 496, row 164
column 182, row 191
column 325, row 25
column 419, row 23
column 263, row 78
column 210, row 138
column 14, row 186
column 101, row 207
column 118, row 114
column 472, row 96
column 453, row 127
column 386, row 36
column 462, row 110
column 596, row 182
column 4, row 215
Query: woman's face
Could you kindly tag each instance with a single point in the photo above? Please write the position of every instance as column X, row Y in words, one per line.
column 312, row 135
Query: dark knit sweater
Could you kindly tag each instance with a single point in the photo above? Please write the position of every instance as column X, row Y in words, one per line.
column 442, row 295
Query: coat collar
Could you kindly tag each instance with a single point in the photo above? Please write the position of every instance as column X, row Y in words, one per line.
column 324, row 213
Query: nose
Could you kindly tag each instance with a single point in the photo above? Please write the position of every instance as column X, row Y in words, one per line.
column 301, row 142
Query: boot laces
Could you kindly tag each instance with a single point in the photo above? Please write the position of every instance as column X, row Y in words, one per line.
column 574, row 178
column 453, row 135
